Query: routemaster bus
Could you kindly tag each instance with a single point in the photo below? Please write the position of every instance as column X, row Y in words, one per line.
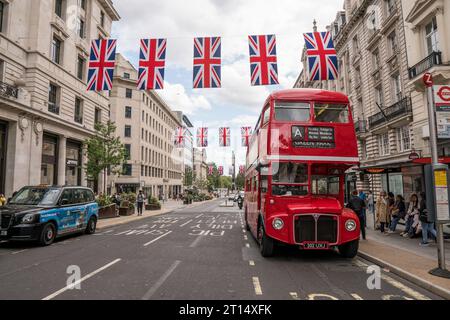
column 302, row 146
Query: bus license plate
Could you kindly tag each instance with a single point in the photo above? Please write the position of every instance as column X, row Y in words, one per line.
column 315, row 246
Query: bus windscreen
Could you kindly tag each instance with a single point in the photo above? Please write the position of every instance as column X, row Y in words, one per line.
column 292, row 111
column 331, row 113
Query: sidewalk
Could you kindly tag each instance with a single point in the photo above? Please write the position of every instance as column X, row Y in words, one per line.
column 167, row 207
column 405, row 258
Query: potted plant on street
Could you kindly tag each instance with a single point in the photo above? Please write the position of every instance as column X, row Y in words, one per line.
column 107, row 209
column 153, row 204
column 127, row 206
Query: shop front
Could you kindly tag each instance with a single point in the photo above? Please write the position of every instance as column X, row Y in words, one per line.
column 3, row 143
column 73, row 163
column 127, row 187
column 49, row 165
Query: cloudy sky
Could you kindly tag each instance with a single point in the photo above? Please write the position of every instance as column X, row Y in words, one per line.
column 237, row 103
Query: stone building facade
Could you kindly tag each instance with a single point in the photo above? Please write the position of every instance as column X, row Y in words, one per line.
column 384, row 47
column 145, row 124
column 45, row 110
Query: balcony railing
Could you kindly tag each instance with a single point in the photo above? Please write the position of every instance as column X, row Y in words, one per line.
column 361, row 126
column 8, row 91
column 401, row 108
column 432, row 60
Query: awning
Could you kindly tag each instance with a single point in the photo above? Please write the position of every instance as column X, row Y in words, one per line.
column 444, row 160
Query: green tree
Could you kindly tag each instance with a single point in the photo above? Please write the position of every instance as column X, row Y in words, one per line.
column 104, row 151
column 226, row 182
column 188, row 177
column 214, row 179
column 240, row 181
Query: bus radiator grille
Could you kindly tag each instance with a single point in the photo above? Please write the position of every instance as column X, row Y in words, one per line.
column 310, row 228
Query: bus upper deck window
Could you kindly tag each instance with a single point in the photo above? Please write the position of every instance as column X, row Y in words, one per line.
column 331, row 113
column 292, row 111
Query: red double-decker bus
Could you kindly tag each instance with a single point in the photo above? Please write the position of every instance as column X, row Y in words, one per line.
column 303, row 144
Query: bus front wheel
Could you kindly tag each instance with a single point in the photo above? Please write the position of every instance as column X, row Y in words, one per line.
column 349, row 250
column 266, row 244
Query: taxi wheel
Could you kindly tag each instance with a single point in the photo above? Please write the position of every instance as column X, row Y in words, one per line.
column 266, row 244
column 48, row 234
column 349, row 250
column 91, row 226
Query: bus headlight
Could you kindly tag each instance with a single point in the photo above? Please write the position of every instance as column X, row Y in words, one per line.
column 278, row 224
column 350, row 225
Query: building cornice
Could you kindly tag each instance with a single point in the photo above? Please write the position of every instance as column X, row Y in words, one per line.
column 109, row 7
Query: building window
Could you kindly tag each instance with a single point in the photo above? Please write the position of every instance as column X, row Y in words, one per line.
column 59, row 8
column 393, row 43
column 127, row 131
column 53, row 98
column 129, row 93
column 357, row 77
column 81, row 65
column 383, row 144
column 127, row 170
column 81, row 28
column 98, row 115
column 127, row 151
column 82, row 4
column 128, row 112
column 376, row 60
column 403, row 139
column 102, row 19
column 2, row 16
column 431, row 36
column 364, row 152
column 56, row 50
column 390, row 7
column 397, row 87
column 78, row 114
column 126, row 75
column 379, row 96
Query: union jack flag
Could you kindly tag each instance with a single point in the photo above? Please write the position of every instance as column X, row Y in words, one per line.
column 102, row 62
column 263, row 60
column 202, row 137
column 322, row 59
column 246, row 133
column 241, row 169
column 224, row 137
column 211, row 170
column 152, row 61
column 207, row 62
column 220, row 169
column 179, row 137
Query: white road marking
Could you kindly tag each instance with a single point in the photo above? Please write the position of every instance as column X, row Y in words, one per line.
column 411, row 292
column 251, row 263
column 73, row 285
column 247, row 245
column 196, row 241
column 294, row 295
column 356, row 297
column 161, row 280
column 200, row 215
column 245, row 237
column 185, row 224
column 17, row 252
column 156, row 239
column 257, row 285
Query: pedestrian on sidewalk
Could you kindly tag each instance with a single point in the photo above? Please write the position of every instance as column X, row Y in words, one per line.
column 398, row 213
column 140, row 203
column 413, row 210
column 382, row 209
column 426, row 221
column 358, row 206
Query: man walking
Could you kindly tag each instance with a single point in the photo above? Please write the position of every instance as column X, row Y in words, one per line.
column 140, row 203
column 358, row 206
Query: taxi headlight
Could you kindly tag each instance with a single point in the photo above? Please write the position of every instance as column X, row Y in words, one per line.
column 350, row 225
column 278, row 224
column 29, row 218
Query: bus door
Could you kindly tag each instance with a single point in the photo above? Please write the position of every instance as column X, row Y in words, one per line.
column 263, row 187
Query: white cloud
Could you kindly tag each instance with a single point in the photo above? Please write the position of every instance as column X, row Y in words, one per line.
column 177, row 98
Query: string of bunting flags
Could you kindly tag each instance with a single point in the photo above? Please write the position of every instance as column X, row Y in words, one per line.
column 180, row 136
column 207, row 61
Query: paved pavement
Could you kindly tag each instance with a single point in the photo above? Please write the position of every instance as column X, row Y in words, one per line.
column 201, row 253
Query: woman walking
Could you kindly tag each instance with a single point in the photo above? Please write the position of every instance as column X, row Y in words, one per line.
column 382, row 210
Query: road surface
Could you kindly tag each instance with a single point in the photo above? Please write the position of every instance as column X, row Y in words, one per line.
column 202, row 253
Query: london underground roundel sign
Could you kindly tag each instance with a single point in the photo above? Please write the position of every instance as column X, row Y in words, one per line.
column 444, row 94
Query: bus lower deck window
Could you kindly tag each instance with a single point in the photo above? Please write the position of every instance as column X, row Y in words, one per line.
column 289, row 172
column 285, row 190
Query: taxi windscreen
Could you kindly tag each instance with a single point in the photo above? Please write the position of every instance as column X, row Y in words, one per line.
column 37, row 196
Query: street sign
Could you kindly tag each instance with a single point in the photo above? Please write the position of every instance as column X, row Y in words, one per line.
column 414, row 156
column 442, row 202
column 442, row 101
column 428, row 80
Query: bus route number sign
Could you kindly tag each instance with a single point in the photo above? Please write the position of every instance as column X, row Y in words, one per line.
column 313, row 137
